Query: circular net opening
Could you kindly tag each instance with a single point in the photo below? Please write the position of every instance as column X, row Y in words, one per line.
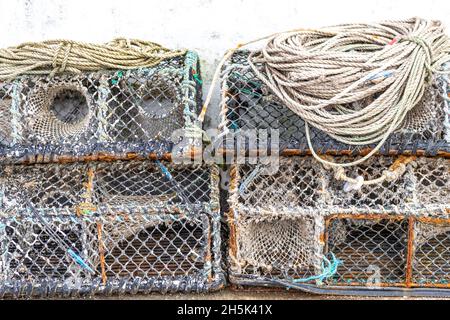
column 158, row 97
column 59, row 112
column 69, row 106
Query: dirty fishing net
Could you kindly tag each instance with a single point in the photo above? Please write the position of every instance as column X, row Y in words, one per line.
column 278, row 244
column 101, row 227
column 59, row 111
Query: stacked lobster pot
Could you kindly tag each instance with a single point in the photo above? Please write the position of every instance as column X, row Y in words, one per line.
column 297, row 225
column 91, row 200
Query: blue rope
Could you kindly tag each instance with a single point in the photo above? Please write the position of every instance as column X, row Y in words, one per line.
column 328, row 270
column 175, row 184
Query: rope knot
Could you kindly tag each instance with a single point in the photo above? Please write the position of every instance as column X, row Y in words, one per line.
column 59, row 63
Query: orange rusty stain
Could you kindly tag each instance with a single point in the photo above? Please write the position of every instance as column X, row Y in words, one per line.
column 208, row 253
column 323, row 238
column 232, row 236
column 101, row 250
column 402, row 160
column 410, row 249
column 434, row 220
column 233, row 177
column 431, row 285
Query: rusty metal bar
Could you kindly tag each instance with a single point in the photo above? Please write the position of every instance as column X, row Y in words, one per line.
column 410, row 252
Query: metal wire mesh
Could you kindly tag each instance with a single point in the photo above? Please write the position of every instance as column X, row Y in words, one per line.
column 431, row 245
column 275, row 248
column 283, row 224
column 120, row 227
column 301, row 185
column 371, row 251
column 247, row 104
column 112, row 112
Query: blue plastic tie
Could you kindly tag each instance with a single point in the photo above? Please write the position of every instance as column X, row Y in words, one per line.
column 327, row 271
column 164, row 170
column 80, row 261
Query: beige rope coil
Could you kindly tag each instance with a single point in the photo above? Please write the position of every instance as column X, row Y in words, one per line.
column 57, row 56
column 356, row 82
column 383, row 68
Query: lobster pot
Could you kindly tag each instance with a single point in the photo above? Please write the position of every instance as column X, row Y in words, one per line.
column 254, row 119
column 145, row 110
column 296, row 227
column 109, row 228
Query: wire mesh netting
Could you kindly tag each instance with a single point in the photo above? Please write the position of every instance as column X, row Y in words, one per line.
column 301, row 185
column 431, row 245
column 371, row 251
column 107, row 111
column 120, row 227
column 389, row 251
column 283, row 223
column 247, row 104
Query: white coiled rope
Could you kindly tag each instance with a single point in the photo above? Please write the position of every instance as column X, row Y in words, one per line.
column 356, row 82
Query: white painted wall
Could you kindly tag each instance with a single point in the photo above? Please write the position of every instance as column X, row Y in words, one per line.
column 208, row 26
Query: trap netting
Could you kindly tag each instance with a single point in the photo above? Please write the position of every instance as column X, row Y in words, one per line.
column 301, row 185
column 273, row 249
column 247, row 104
column 111, row 112
column 298, row 225
column 121, row 227
column 389, row 251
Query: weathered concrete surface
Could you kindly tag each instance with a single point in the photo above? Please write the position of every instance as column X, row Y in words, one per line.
column 229, row 294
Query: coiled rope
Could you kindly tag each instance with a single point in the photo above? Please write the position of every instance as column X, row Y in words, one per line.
column 356, row 82
column 57, row 56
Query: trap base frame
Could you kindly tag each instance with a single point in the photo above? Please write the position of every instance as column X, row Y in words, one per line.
column 415, row 262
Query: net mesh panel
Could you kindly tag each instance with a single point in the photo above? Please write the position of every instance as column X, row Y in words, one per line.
column 124, row 219
column 165, row 253
column 276, row 248
column 303, row 185
column 142, row 184
column 105, row 111
column 431, row 253
column 248, row 104
column 59, row 111
column 370, row 251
